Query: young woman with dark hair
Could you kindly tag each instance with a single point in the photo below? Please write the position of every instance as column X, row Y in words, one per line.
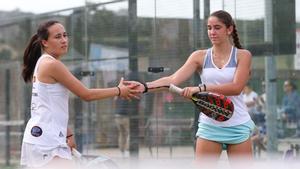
column 47, row 140
column 225, row 69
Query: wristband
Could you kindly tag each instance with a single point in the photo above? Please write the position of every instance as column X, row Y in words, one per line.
column 69, row 135
column 145, row 86
column 199, row 88
column 119, row 94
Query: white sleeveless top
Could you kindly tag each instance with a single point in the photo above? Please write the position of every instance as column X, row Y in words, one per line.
column 211, row 74
column 49, row 112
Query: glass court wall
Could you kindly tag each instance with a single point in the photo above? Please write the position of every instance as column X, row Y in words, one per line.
column 114, row 39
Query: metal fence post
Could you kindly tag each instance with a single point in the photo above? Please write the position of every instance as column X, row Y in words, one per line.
column 7, row 111
column 270, row 78
column 133, row 67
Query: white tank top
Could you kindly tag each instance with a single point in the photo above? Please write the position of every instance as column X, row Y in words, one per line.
column 49, row 112
column 211, row 74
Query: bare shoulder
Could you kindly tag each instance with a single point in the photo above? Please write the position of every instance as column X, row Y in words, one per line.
column 199, row 53
column 244, row 57
column 198, row 56
column 244, row 53
column 51, row 66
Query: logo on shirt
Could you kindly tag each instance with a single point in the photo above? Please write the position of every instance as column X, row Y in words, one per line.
column 33, row 106
column 45, row 156
column 36, row 131
column 61, row 134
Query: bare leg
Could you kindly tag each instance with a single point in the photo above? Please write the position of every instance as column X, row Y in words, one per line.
column 207, row 153
column 119, row 121
column 58, row 162
column 241, row 155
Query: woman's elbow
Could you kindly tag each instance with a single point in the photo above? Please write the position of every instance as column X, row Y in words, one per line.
column 86, row 97
column 237, row 91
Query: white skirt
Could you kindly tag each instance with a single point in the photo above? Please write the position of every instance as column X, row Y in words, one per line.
column 35, row 156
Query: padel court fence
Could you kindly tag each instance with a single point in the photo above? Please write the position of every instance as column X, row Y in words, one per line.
column 113, row 39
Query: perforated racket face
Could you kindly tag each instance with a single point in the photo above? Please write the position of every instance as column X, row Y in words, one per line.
column 215, row 106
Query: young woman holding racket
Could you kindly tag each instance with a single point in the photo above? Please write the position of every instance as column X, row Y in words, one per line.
column 47, row 141
column 224, row 69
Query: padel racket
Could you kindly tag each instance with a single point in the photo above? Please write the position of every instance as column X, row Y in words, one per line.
column 215, row 106
column 93, row 162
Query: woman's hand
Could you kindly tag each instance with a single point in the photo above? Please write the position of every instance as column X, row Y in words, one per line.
column 71, row 141
column 189, row 91
column 128, row 89
column 139, row 87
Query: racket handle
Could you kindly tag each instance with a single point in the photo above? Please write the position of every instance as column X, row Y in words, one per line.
column 175, row 89
column 76, row 153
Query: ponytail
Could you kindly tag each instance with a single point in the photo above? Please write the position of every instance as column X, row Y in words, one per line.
column 235, row 37
column 33, row 50
column 32, row 53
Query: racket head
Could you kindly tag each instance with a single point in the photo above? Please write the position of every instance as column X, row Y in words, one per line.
column 213, row 105
column 101, row 162
column 93, row 162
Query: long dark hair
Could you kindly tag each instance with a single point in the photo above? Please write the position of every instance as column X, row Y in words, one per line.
column 226, row 18
column 34, row 49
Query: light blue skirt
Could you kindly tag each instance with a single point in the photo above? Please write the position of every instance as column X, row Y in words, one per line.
column 226, row 135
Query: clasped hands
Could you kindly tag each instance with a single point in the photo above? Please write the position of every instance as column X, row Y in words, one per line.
column 130, row 89
column 133, row 89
